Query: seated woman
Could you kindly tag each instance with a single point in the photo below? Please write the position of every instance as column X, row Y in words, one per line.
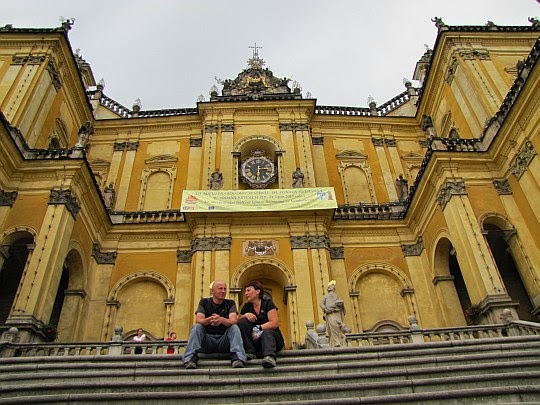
column 258, row 323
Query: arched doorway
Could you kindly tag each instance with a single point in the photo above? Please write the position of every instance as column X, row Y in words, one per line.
column 449, row 284
column 70, row 297
column 141, row 300
column 274, row 282
column 508, row 270
column 15, row 251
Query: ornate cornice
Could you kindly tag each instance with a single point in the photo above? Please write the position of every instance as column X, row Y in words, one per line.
column 414, row 249
column 34, row 59
column 64, row 197
column 377, row 141
column 337, row 252
column 132, row 145
column 293, row 126
column 119, row 146
column 523, row 159
column 390, row 142
column 451, row 188
column 7, row 198
column 502, row 186
column 215, row 243
column 183, row 256
column 310, row 241
column 211, row 128
column 195, row 142
column 103, row 257
column 222, row 243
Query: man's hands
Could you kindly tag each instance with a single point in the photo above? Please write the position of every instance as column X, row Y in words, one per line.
column 215, row 320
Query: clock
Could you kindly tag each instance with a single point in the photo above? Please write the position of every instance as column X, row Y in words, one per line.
column 258, row 171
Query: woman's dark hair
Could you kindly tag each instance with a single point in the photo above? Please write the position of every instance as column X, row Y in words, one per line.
column 257, row 285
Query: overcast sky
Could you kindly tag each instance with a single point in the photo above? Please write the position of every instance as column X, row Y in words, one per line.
column 168, row 52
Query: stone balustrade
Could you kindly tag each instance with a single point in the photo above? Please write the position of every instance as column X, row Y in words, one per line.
column 10, row 348
column 370, row 211
column 141, row 217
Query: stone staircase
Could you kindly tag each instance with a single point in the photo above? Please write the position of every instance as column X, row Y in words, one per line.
column 495, row 370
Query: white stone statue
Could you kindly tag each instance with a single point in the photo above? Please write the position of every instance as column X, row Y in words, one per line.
column 334, row 315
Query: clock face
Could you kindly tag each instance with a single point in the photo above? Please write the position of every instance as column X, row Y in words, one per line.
column 258, row 171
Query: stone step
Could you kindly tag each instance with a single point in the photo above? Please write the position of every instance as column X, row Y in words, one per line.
column 438, row 351
column 385, row 374
column 215, row 369
column 492, row 386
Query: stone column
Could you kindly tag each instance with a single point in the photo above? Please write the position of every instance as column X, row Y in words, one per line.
column 476, row 263
column 125, row 180
column 68, row 327
column 195, row 163
column 319, row 159
column 287, row 160
column 99, row 275
column 226, row 163
column 202, row 269
column 337, row 255
column 525, row 168
column 419, row 267
column 41, row 277
column 303, row 276
column 305, row 158
column 183, row 316
column 209, row 161
column 7, row 199
column 385, row 168
column 222, row 249
column 521, row 241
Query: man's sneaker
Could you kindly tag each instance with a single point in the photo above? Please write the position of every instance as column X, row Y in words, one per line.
column 269, row 362
column 238, row 364
column 251, row 356
column 190, row 364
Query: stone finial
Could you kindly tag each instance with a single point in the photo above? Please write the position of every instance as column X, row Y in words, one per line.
column 506, row 316
column 413, row 323
column 117, row 334
column 137, row 105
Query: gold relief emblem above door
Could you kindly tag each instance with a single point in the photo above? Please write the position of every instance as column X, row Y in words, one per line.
column 257, row 170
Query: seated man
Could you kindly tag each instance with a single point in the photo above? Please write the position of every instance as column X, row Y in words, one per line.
column 215, row 330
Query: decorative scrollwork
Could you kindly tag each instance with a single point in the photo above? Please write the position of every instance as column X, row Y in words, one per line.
column 451, row 188
column 103, row 257
column 64, row 197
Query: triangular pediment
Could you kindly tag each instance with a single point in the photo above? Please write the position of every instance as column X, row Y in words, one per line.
column 413, row 157
column 98, row 164
column 161, row 160
column 351, row 155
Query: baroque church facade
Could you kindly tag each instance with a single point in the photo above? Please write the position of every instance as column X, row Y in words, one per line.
column 436, row 194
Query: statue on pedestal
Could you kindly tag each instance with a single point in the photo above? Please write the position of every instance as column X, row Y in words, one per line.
column 298, row 178
column 109, row 196
column 334, row 314
column 216, row 180
column 402, row 186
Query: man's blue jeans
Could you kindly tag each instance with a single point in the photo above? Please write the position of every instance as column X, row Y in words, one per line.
column 200, row 341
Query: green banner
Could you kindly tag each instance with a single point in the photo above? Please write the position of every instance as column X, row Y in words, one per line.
column 287, row 199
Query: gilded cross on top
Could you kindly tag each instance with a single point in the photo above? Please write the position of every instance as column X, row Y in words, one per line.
column 255, row 62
